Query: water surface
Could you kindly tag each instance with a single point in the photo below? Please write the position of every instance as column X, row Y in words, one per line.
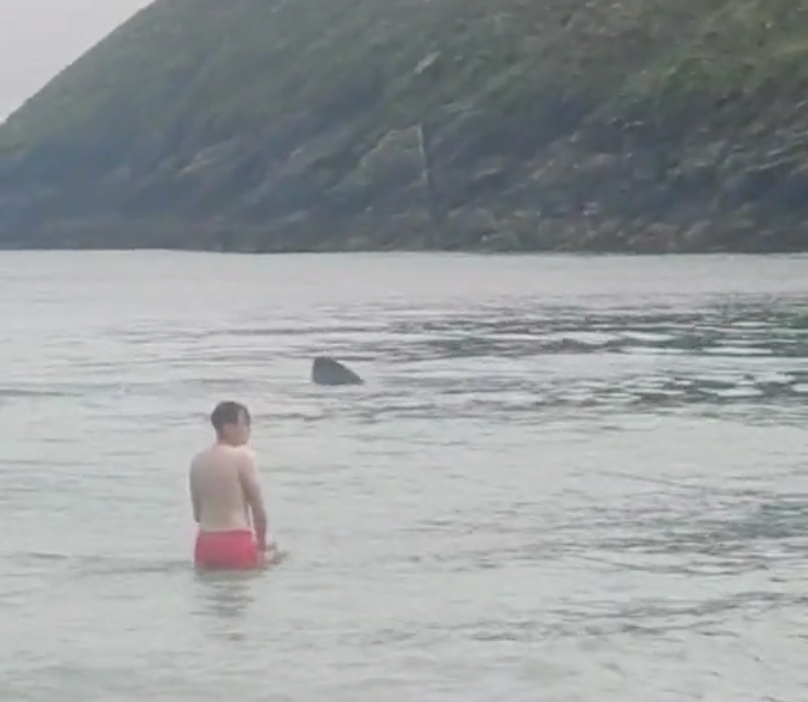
column 567, row 478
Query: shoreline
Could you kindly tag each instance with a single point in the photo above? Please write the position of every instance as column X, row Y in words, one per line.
column 518, row 234
column 476, row 252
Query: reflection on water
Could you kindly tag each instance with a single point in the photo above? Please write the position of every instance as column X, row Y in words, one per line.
column 580, row 476
column 226, row 597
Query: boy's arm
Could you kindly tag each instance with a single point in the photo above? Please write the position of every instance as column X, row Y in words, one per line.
column 195, row 502
column 250, row 484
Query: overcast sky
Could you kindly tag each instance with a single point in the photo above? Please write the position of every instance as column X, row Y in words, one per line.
column 40, row 37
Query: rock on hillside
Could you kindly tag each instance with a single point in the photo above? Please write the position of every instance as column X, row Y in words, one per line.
column 273, row 125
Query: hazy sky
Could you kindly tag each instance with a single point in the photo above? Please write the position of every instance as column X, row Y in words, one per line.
column 40, row 37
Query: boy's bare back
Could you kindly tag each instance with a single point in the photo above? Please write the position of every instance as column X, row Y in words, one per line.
column 219, row 476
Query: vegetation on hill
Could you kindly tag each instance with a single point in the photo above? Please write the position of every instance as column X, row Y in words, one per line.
column 274, row 125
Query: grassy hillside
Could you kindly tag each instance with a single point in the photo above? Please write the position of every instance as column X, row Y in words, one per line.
column 268, row 125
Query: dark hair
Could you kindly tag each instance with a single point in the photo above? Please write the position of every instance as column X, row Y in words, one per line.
column 227, row 412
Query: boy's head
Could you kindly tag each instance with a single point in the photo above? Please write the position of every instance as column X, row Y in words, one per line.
column 232, row 423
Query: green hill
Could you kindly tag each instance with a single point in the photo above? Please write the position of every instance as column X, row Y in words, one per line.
column 267, row 125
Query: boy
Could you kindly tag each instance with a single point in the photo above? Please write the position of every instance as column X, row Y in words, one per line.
column 226, row 496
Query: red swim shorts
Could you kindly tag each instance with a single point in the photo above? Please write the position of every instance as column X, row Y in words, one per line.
column 226, row 550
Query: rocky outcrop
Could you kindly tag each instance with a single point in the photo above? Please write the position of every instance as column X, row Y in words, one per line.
column 268, row 125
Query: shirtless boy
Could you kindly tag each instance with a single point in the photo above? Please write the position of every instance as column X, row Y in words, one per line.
column 226, row 496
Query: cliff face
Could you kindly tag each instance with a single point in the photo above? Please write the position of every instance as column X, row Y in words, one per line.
column 266, row 125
